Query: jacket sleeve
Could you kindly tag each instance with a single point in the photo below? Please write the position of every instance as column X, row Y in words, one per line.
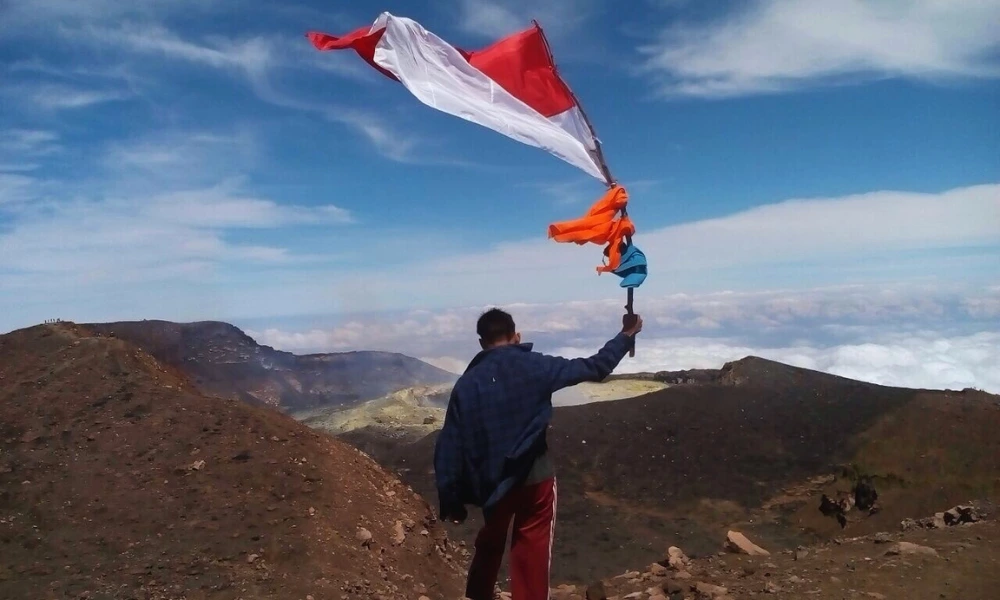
column 448, row 460
column 566, row 372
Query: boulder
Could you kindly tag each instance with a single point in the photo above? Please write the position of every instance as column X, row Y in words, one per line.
column 676, row 559
column 910, row 548
column 737, row 542
column 707, row 591
column 961, row 514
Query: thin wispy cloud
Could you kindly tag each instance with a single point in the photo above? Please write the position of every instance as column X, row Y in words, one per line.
column 52, row 97
column 125, row 239
column 493, row 19
column 18, row 167
column 21, row 143
column 780, row 45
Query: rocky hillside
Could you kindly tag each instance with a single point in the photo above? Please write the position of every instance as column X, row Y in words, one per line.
column 221, row 360
column 756, row 446
column 119, row 480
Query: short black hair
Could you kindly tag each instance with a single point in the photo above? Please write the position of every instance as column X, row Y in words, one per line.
column 495, row 325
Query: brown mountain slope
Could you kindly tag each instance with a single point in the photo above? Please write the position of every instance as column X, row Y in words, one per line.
column 222, row 360
column 118, row 480
column 681, row 465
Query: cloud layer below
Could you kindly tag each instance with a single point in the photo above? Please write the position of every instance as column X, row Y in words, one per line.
column 907, row 336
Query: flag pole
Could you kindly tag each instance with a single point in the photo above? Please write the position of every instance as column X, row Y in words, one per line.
column 630, row 317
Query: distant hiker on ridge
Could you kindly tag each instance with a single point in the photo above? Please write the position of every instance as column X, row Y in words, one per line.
column 492, row 450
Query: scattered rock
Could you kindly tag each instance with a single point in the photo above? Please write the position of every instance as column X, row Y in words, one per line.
column 876, row 595
column 658, row 570
column 801, row 554
column 737, row 542
column 709, row 591
column 961, row 514
column 197, row 465
column 399, row 534
column 682, row 575
column 596, row 591
column 672, row 587
column 771, row 588
column 430, row 420
column 676, row 559
column 364, row 536
column 882, row 538
column 252, row 558
column 910, row 548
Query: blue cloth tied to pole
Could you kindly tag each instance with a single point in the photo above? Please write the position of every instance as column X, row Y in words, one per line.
column 632, row 268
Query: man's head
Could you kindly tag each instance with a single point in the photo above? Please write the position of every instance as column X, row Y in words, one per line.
column 496, row 328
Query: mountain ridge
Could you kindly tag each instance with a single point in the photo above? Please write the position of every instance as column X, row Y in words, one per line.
column 119, row 480
column 221, row 359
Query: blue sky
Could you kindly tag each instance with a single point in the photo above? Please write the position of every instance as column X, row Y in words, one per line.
column 194, row 159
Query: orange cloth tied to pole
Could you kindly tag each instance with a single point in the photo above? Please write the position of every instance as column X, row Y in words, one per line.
column 601, row 225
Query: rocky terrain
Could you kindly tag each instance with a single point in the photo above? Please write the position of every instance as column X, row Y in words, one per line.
column 957, row 562
column 118, row 479
column 754, row 446
column 223, row 361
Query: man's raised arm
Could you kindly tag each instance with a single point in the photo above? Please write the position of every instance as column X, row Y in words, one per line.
column 567, row 372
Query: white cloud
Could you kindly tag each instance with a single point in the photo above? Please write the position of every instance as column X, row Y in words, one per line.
column 861, row 237
column 63, row 97
column 779, row 45
column 130, row 239
column 250, row 55
column 14, row 187
column 909, row 336
column 498, row 18
column 921, row 360
column 25, row 143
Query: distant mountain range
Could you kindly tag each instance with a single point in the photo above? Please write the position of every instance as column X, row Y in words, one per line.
column 222, row 360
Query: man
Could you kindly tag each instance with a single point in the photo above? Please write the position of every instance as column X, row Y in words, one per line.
column 492, row 450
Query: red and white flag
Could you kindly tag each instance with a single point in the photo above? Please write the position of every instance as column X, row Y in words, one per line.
column 511, row 86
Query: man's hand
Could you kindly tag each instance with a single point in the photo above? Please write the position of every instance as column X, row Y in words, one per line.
column 631, row 325
column 455, row 514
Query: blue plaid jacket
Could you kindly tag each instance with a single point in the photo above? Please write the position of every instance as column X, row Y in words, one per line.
column 497, row 417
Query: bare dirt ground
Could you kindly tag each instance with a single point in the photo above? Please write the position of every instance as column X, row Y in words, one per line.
column 118, row 480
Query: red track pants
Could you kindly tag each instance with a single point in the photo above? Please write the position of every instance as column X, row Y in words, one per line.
column 533, row 509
